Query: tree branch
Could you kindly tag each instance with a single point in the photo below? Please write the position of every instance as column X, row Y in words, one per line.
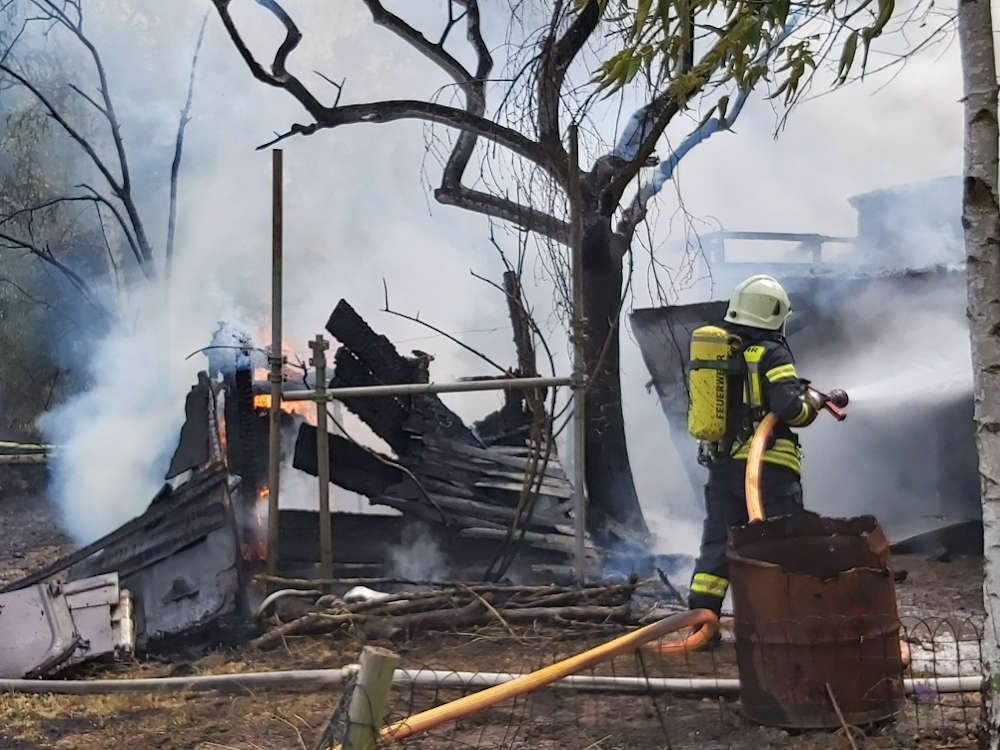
column 133, row 245
column 24, row 293
column 95, row 198
column 470, row 121
column 437, row 330
column 391, row 110
column 556, row 58
column 475, row 102
column 636, row 212
column 434, row 52
column 645, row 127
column 175, row 166
column 376, row 113
column 121, row 187
column 72, row 276
column 531, row 219
column 280, row 77
column 70, row 130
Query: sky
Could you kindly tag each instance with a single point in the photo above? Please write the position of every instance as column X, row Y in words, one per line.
column 358, row 215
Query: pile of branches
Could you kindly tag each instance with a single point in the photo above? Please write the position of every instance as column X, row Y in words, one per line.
column 402, row 614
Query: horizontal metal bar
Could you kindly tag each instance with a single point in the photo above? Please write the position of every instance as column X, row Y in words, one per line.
column 409, row 389
column 240, row 682
column 25, row 458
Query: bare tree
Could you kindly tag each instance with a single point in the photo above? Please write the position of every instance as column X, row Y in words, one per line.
column 981, row 221
column 671, row 52
column 115, row 194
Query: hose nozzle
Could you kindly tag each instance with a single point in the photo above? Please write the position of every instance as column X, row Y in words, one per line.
column 839, row 398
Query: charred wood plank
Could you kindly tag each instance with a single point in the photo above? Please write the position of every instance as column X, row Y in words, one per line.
column 559, row 542
column 461, row 512
column 373, row 350
column 385, row 416
column 424, row 413
column 192, row 448
column 484, row 457
column 357, row 537
column 351, row 466
column 514, row 483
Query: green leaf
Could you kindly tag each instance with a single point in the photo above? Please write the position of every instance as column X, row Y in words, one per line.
column 641, row 14
column 847, row 57
column 633, row 68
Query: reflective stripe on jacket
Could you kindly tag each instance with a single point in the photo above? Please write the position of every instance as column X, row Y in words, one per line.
column 772, row 384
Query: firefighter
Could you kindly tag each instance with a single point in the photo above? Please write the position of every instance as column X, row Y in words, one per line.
column 756, row 315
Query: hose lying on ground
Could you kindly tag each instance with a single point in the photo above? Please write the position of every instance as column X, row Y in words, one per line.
column 425, row 720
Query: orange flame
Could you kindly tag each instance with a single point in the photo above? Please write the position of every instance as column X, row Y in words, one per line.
column 255, row 547
column 304, row 409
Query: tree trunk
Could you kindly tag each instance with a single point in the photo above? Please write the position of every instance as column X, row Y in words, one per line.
column 981, row 221
column 611, row 491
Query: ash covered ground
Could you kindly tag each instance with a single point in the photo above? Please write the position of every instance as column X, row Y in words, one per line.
column 934, row 591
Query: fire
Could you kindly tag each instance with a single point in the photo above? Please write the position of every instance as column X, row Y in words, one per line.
column 255, row 547
column 304, row 409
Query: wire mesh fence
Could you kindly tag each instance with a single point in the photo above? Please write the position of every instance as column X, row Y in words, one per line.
column 657, row 698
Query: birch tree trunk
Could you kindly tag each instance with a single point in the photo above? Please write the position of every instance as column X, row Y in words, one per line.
column 981, row 222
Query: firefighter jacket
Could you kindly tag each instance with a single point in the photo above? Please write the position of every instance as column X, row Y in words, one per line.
column 771, row 385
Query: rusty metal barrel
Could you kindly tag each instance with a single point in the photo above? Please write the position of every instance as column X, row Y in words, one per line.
column 815, row 621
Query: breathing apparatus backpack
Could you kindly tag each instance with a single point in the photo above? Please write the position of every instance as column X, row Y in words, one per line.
column 715, row 384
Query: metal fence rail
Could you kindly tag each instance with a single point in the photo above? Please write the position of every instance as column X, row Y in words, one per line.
column 622, row 703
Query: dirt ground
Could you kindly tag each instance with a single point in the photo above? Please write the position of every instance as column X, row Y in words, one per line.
column 933, row 591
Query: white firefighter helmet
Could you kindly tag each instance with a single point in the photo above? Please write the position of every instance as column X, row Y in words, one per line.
column 759, row 302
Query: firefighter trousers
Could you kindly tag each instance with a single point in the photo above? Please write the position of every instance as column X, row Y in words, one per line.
column 726, row 506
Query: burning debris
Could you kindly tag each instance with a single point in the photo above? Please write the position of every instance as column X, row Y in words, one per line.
column 178, row 563
column 488, row 503
column 465, row 488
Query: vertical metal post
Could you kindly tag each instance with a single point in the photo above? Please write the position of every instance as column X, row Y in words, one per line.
column 579, row 372
column 276, row 361
column 319, row 346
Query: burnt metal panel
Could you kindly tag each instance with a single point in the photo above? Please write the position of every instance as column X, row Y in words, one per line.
column 49, row 626
column 164, row 503
column 183, row 568
column 815, row 612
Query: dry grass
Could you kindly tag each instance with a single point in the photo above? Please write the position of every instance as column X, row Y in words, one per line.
column 292, row 719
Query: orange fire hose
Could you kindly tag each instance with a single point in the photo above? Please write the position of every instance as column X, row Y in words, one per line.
column 468, row 704
column 751, row 483
column 695, row 641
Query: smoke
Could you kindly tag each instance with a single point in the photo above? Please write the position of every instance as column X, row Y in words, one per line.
column 356, row 212
column 906, row 452
column 418, row 556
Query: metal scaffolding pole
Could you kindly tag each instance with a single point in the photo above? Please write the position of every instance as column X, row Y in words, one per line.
column 410, row 389
column 579, row 371
column 276, row 361
column 319, row 346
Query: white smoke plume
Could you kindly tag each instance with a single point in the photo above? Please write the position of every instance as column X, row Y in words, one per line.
column 418, row 556
column 356, row 213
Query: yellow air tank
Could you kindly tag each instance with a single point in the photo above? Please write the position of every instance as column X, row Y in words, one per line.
column 708, row 383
